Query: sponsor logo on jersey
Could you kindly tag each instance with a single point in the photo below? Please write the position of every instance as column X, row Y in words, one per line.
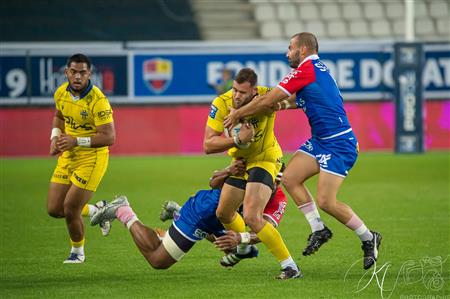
column 104, row 114
column 79, row 179
column 213, row 111
column 72, row 124
column 157, row 74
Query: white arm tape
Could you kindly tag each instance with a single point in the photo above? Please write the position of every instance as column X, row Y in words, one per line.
column 56, row 132
column 84, row 141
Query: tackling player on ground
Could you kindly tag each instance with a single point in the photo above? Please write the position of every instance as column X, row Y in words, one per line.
column 195, row 221
column 83, row 129
column 256, row 143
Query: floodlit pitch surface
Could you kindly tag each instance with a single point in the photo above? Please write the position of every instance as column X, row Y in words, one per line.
column 405, row 197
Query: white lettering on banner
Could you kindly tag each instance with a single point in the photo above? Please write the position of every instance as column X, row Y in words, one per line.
column 432, row 74
column 370, row 73
column 445, row 63
column 388, row 76
column 16, row 81
column 50, row 79
column 408, row 97
column 270, row 73
column 345, row 73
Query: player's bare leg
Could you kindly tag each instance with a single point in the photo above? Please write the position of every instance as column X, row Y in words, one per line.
column 256, row 197
column 76, row 199
column 231, row 198
column 55, row 199
column 145, row 238
column 327, row 189
column 149, row 244
column 300, row 168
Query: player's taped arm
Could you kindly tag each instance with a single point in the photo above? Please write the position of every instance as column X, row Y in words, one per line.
column 288, row 103
column 232, row 239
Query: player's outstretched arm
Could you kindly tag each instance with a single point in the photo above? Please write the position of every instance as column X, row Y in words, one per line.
column 264, row 104
column 237, row 168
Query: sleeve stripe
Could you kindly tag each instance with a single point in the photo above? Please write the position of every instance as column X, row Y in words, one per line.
column 284, row 90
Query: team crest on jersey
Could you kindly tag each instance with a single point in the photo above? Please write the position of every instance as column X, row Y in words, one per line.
column 157, row 74
column 84, row 114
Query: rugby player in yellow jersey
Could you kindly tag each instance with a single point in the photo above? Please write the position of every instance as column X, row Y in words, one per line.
column 257, row 145
column 83, row 128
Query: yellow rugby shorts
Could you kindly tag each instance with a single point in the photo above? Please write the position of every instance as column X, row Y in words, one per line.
column 84, row 169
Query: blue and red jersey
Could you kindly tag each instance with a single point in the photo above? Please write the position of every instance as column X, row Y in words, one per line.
column 319, row 97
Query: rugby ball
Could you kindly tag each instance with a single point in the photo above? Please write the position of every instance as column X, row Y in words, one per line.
column 235, row 132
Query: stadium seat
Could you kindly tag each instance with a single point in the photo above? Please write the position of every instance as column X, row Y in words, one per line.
column 420, row 9
column 395, row 10
column 424, row 27
column 318, row 27
column 398, row 27
column 443, row 26
column 271, row 30
column 330, row 11
column 287, row 12
column 265, row 12
column 293, row 27
column 337, row 29
column 351, row 11
column 380, row 28
column 359, row 28
column 439, row 9
column 308, row 11
column 373, row 10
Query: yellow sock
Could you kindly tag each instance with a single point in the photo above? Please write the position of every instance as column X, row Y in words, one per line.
column 273, row 241
column 237, row 225
column 85, row 210
column 77, row 244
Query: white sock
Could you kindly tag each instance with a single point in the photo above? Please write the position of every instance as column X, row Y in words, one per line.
column 243, row 248
column 312, row 215
column 92, row 210
column 364, row 233
column 77, row 250
column 289, row 262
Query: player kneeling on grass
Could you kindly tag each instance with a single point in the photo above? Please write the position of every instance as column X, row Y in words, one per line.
column 237, row 246
column 195, row 221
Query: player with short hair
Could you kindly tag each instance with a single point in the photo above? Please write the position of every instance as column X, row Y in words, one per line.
column 256, row 143
column 195, row 221
column 330, row 152
column 83, row 128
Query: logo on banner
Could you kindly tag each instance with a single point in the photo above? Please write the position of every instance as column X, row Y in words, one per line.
column 157, row 74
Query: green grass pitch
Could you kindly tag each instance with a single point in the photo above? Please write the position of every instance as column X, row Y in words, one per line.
column 405, row 197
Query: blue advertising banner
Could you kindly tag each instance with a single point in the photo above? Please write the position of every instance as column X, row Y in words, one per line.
column 361, row 75
column 35, row 78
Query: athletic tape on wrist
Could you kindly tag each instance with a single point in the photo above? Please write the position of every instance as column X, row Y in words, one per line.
column 84, row 141
column 56, row 132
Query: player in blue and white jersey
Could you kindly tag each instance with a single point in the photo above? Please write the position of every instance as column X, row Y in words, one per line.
column 331, row 151
column 194, row 221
